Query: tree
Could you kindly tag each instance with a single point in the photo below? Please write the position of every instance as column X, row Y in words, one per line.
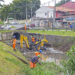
column 17, row 9
column 62, row 2
column 4, row 12
column 1, row 1
column 21, row 6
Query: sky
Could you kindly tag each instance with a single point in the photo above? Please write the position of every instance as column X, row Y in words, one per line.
column 8, row 1
column 42, row 1
column 45, row 2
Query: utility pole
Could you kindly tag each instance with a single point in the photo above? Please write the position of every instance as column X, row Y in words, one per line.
column 26, row 12
column 54, row 14
column 31, row 11
column 49, row 3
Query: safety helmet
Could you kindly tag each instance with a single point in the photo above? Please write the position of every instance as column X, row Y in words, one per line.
column 14, row 36
column 39, row 56
column 40, row 51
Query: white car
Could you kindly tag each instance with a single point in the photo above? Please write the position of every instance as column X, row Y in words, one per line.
column 7, row 27
column 2, row 27
column 13, row 23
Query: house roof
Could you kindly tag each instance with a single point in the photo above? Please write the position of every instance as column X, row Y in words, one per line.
column 70, row 5
column 51, row 7
column 63, row 9
column 44, row 9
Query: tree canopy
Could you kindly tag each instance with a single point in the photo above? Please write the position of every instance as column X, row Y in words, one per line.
column 62, row 2
column 1, row 1
column 18, row 8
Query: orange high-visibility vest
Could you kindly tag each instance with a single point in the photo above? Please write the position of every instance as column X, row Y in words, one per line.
column 25, row 27
column 37, row 53
column 14, row 41
column 33, row 39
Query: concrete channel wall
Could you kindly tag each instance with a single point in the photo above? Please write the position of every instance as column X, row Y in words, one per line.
column 53, row 39
column 6, row 36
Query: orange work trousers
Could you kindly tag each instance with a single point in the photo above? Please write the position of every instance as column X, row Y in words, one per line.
column 32, row 65
column 14, row 46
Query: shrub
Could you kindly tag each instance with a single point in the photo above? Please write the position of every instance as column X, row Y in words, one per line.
column 70, row 63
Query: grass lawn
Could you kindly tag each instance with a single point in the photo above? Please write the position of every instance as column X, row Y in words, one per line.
column 10, row 65
column 3, row 31
column 1, row 22
column 54, row 32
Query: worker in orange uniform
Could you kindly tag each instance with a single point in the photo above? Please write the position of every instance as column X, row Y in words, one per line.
column 32, row 43
column 38, row 53
column 33, row 61
column 14, row 43
column 33, row 39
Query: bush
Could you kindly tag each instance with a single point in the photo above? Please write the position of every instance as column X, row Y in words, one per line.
column 70, row 63
column 1, row 22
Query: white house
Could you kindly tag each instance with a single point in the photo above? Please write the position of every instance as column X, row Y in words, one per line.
column 45, row 12
column 43, row 17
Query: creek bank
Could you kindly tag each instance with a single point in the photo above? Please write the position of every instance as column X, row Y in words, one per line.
column 62, row 43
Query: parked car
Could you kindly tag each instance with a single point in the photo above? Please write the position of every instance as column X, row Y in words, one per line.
column 32, row 25
column 2, row 27
column 13, row 23
column 7, row 27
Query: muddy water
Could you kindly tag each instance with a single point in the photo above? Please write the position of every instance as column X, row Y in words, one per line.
column 51, row 55
column 52, row 50
column 55, row 56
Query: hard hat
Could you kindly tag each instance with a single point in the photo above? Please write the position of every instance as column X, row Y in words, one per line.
column 14, row 36
column 39, row 56
column 40, row 51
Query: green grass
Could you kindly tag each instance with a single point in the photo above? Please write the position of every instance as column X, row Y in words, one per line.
column 1, row 22
column 13, row 27
column 3, row 31
column 69, row 64
column 10, row 65
column 56, row 32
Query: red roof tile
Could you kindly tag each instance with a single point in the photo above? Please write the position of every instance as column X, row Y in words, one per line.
column 51, row 7
column 64, row 9
column 70, row 5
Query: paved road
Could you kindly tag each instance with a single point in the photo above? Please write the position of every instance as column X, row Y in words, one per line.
column 17, row 26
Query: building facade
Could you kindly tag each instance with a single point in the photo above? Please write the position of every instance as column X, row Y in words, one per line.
column 45, row 12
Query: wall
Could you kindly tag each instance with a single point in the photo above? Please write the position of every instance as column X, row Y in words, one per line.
column 6, row 36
